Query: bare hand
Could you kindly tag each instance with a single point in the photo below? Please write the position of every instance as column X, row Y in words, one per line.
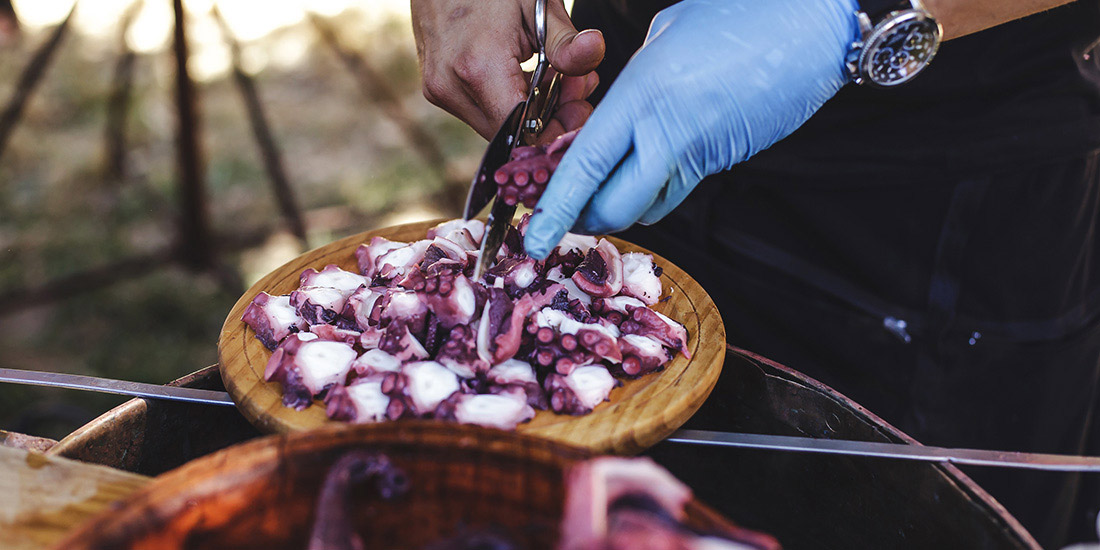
column 470, row 53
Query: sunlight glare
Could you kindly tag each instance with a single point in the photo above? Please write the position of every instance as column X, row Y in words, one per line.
column 41, row 13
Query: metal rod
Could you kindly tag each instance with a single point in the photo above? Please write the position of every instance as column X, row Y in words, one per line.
column 119, row 387
column 900, row 451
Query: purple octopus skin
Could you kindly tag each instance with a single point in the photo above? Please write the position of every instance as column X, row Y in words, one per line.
column 322, row 295
column 420, row 387
column 517, row 275
column 615, row 310
column 524, row 177
column 374, row 362
column 641, row 277
column 333, row 333
column 333, row 528
column 272, row 318
column 646, row 322
column 601, row 272
column 500, row 333
column 516, row 375
column 448, row 294
column 366, row 256
column 555, row 351
column 399, row 342
column 393, row 265
column 641, row 355
column 358, row 307
column 361, row 401
column 503, row 411
column 599, row 340
column 467, row 233
column 405, row 306
column 458, row 352
column 580, row 391
column 305, row 360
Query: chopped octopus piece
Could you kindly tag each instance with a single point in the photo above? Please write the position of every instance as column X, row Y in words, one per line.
column 516, row 273
column 322, row 295
column 646, row 322
column 367, row 255
column 333, row 528
column 358, row 308
column 458, row 352
column 513, row 375
column 371, row 337
column 361, row 401
column 402, row 306
column 641, row 277
column 450, row 296
column 400, row 343
column 581, row 390
column 314, row 363
column 601, row 272
column 376, row 361
column 422, row 386
column 641, row 355
column 393, row 265
column 335, row 334
column 616, row 309
column 502, row 411
column 474, row 228
column 441, row 248
column 500, row 333
column 272, row 318
column 600, row 340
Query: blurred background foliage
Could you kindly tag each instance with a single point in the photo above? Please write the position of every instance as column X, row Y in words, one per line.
column 351, row 167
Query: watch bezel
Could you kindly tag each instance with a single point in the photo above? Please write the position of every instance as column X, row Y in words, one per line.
column 884, row 28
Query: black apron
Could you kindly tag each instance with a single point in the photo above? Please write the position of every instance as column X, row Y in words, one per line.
column 932, row 251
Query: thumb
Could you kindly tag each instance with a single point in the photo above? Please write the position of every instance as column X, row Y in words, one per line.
column 570, row 52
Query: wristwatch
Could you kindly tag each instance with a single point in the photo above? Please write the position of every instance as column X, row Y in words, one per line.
column 897, row 40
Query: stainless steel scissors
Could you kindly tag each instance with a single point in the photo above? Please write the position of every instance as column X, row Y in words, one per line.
column 523, row 124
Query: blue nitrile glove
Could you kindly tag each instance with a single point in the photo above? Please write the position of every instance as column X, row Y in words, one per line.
column 715, row 82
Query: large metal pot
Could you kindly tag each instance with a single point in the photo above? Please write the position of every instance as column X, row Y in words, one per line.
column 806, row 501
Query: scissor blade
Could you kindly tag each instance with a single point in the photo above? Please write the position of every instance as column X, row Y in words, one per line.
column 484, row 188
column 500, row 217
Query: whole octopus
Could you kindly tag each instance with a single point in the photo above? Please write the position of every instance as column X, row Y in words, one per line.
column 411, row 334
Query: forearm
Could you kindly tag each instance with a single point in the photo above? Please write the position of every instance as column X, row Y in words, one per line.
column 963, row 17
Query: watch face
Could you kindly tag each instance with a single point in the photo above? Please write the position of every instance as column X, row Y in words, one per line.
column 899, row 48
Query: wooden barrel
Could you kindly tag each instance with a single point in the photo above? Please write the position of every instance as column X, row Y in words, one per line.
column 804, row 500
column 263, row 494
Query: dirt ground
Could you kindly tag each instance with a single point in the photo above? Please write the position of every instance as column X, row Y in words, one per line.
column 351, row 167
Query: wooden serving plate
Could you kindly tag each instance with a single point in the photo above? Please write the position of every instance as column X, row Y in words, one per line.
column 262, row 494
column 639, row 414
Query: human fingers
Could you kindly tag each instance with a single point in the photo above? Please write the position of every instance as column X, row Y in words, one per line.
column 631, row 190
column 598, row 148
column 570, row 52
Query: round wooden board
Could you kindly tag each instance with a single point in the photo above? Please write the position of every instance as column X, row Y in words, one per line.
column 640, row 413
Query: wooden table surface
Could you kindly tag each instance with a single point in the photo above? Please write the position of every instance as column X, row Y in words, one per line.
column 42, row 498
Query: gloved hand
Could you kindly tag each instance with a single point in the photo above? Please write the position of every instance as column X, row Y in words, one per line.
column 470, row 53
column 715, row 82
